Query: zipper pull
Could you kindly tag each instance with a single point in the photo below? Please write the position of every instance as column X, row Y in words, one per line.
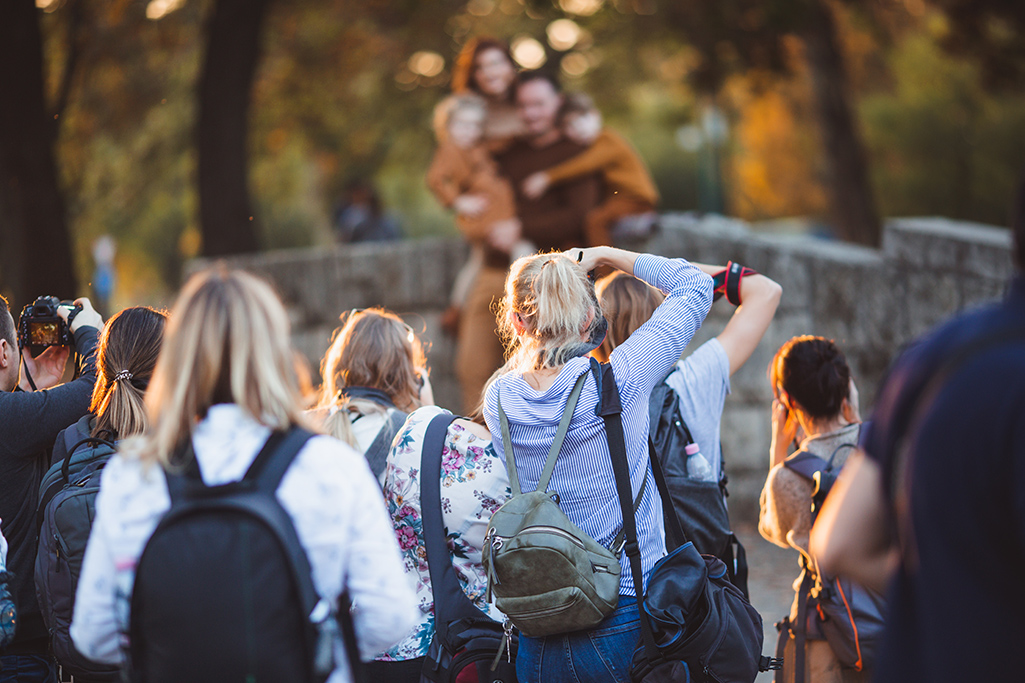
column 58, row 546
column 507, row 628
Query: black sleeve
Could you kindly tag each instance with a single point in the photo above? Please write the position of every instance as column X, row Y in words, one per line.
column 32, row 420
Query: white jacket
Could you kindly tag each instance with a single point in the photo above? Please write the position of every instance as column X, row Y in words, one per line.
column 330, row 494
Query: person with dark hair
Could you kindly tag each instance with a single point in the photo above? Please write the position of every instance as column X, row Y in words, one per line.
column 816, row 405
column 932, row 507
column 553, row 221
column 361, row 218
column 30, row 419
column 629, row 190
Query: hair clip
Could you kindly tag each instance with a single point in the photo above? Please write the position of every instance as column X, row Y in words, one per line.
column 123, row 375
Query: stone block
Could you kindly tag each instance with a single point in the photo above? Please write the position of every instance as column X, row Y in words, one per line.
column 745, row 435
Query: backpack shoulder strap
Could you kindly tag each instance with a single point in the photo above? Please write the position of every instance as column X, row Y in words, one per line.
column 377, row 454
column 450, row 602
column 553, row 452
column 805, row 464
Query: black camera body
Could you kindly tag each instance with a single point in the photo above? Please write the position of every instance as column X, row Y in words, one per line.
column 39, row 325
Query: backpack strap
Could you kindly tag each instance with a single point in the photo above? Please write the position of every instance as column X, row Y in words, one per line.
column 368, row 394
column 377, row 454
column 450, row 602
column 553, row 452
column 66, row 465
column 805, row 464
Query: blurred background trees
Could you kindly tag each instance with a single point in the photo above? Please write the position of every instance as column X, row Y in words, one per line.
column 209, row 126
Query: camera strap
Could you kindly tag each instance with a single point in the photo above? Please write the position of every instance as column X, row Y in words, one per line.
column 28, row 375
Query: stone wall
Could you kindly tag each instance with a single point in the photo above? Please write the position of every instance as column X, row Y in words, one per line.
column 871, row 301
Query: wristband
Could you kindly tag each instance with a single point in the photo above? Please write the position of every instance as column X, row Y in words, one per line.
column 728, row 282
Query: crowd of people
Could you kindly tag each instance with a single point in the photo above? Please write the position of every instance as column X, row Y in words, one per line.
column 231, row 527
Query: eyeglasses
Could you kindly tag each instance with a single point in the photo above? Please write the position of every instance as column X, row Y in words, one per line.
column 345, row 317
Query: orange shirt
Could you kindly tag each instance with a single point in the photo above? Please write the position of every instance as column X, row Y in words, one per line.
column 456, row 171
column 618, row 163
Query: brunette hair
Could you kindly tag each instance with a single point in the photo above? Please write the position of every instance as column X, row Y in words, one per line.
column 556, row 305
column 463, row 76
column 627, row 303
column 128, row 351
column 373, row 348
column 227, row 341
column 814, row 372
column 447, row 108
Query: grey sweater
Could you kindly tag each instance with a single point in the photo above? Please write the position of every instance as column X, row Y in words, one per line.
column 29, row 423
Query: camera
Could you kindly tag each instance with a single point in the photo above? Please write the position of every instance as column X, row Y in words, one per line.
column 40, row 326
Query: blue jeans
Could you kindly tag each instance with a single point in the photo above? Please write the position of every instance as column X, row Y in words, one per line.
column 27, row 669
column 601, row 655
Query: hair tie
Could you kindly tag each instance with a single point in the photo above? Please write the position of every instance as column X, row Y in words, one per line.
column 123, row 375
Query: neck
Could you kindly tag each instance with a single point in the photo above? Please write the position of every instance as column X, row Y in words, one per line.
column 814, row 428
column 546, row 139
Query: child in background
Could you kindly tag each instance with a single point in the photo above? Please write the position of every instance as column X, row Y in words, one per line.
column 463, row 176
column 629, row 189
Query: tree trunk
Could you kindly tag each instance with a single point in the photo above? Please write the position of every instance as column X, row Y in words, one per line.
column 233, row 49
column 35, row 245
column 851, row 203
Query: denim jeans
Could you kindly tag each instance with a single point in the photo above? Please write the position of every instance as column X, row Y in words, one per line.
column 601, row 655
column 28, row 669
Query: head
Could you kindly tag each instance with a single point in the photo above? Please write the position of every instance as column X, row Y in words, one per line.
column 374, row 348
column 627, row 303
column 128, row 351
column 460, row 120
column 548, row 313
column 579, row 118
column 810, row 376
column 538, row 101
column 227, row 341
column 10, row 353
column 485, row 66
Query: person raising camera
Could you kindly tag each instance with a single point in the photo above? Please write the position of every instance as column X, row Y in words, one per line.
column 33, row 410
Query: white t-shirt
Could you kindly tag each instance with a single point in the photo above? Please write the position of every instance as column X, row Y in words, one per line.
column 702, row 381
column 330, row 494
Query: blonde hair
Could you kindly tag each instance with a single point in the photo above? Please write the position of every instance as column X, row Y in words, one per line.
column 227, row 342
column 128, row 351
column 628, row 303
column 373, row 348
column 555, row 303
column 448, row 107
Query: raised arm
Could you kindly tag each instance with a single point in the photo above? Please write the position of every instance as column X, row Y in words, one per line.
column 759, row 298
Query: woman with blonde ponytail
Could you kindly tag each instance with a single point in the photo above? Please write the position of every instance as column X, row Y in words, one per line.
column 374, row 376
column 552, row 320
column 225, row 383
column 129, row 346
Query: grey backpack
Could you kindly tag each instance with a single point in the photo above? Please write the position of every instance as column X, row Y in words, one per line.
column 547, row 575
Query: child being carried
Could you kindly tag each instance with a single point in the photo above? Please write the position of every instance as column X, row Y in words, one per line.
column 463, row 176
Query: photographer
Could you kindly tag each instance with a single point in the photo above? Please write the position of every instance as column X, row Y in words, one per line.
column 30, row 419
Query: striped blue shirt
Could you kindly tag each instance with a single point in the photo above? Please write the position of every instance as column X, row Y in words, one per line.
column 583, row 475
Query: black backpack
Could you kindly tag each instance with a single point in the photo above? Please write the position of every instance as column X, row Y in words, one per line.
column 67, row 504
column 700, row 505
column 695, row 624
column 467, row 643
column 849, row 616
column 223, row 591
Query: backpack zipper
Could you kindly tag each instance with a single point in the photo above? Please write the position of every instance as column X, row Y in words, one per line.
column 555, row 531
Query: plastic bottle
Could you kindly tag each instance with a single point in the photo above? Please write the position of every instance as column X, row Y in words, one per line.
column 697, row 464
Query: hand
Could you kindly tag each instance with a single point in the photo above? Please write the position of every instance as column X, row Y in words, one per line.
column 426, row 390
column 536, row 185
column 505, row 234
column 87, row 317
column 471, row 205
column 851, row 411
column 589, row 258
column 783, row 434
column 46, row 369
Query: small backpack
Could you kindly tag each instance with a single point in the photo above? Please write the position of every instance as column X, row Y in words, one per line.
column 377, row 452
column 467, row 643
column 67, row 506
column 547, row 575
column 700, row 505
column 223, row 590
column 847, row 615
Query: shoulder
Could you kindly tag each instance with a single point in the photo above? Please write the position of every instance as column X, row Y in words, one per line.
column 786, row 485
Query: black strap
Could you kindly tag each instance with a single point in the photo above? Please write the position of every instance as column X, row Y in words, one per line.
column 450, row 602
column 805, row 464
column 369, row 394
column 377, row 454
column 674, row 528
column 66, row 465
column 610, row 409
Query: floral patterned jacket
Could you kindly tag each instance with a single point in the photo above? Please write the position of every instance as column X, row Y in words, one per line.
column 474, row 484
